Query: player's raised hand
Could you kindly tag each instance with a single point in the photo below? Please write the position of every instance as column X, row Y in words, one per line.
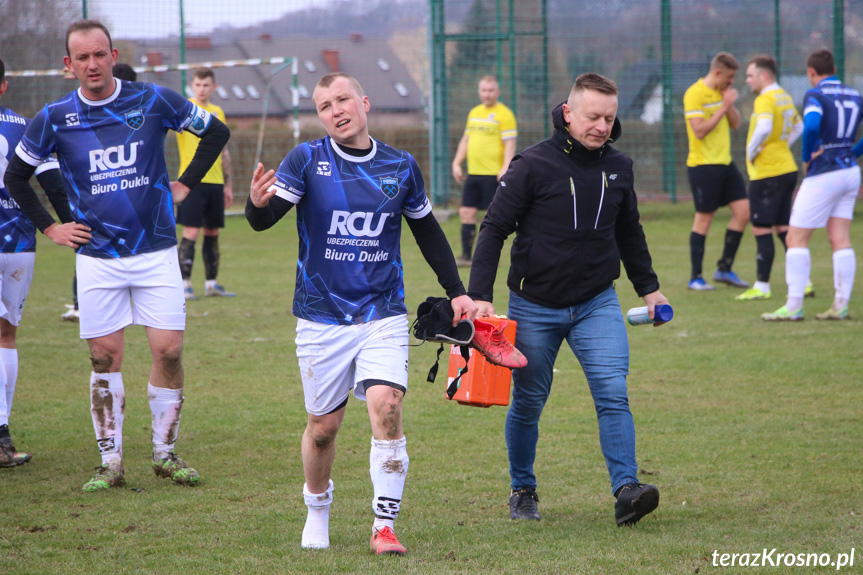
column 729, row 97
column 71, row 235
column 260, row 192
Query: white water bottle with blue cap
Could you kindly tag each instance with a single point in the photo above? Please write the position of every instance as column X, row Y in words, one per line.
column 638, row 315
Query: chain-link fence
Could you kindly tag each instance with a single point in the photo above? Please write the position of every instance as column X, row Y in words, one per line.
column 419, row 62
column 653, row 50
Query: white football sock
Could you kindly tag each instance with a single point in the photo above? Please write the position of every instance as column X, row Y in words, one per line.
column 316, row 533
column 108, row 407
column 844, row 268
column 388, row 466
column 797, row 268
column 9, row 357
column 763, row 286
column 4, row 404
column 166, row 406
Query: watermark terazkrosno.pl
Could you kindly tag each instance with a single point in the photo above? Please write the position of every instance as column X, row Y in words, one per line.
column 773, row 558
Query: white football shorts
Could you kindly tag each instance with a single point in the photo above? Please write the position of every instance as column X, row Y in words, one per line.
column 16, row 274
column 335, row 358
column 825, row 196
column 114, row 293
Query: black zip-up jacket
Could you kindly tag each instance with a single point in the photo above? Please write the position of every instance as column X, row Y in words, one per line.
column 575, row 216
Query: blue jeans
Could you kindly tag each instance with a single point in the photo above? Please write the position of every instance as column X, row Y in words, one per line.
column 597, row 335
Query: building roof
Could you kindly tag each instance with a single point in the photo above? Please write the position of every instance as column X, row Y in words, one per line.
column 382, row 74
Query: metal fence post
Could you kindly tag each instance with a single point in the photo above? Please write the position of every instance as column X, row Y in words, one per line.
column 839, row 37
column 669, row 179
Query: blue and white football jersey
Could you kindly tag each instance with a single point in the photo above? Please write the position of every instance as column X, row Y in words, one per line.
column 841, row 110
column 112, row 153
column 17, row 233
column 349, row 213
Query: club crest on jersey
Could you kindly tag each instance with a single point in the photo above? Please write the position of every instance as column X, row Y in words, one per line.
column 324, row 169
column 135, row 119
column 390, row 187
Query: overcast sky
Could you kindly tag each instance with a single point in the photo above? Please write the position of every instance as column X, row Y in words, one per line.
column 162, row 17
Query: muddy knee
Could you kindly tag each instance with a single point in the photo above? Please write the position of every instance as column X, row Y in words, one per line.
column 171, row 359
column 391, row 415
column 391, row 420
column 101, row 362
column 323, row 437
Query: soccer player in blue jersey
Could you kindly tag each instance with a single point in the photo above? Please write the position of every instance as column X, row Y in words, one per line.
column 126, row 73
column 832, row 113
column 109, row 137
column 352, row 331
column 17, row 256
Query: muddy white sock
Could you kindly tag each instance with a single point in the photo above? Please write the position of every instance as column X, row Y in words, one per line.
column 388, row 467
column 9, row 357
column 4, row 407
column 108, row 408
column 316, row 533
column 844, row 268
column 165, row 407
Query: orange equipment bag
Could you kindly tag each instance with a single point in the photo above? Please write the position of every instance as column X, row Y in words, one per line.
column 484, row 384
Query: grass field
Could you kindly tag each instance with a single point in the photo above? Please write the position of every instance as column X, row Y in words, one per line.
column 752, row 431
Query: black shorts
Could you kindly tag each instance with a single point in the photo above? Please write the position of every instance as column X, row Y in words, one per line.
column 478, row 191
column 770, row 200
column 714, row 186
column 204, row 207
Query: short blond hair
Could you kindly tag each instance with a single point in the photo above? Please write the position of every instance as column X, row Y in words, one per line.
column 724, row 60
column 327, row 80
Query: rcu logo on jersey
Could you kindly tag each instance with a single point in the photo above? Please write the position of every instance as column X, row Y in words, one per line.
column 357, row 224
column 135, row 119
column 113, row 158
column 390, row 187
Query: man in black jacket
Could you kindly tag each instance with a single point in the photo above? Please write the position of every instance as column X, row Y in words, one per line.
column 571, row 202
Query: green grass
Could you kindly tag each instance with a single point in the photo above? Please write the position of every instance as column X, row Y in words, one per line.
column 752, row 431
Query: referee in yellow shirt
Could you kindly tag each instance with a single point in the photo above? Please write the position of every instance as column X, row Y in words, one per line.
column 488, row 144
column 773, row 128
column 205, row 205
column 715, row 180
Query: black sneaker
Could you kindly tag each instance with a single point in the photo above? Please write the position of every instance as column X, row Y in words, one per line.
column 522, row 504
column 634, row 501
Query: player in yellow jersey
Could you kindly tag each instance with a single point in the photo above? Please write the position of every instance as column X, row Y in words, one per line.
column 205, row 205
column 715, row 180
column 488, row 144
column 773, row 128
